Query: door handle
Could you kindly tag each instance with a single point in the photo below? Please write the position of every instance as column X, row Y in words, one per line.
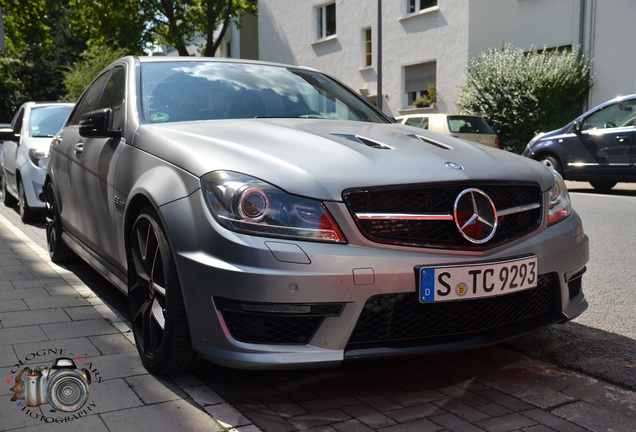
column 78, row 148
column 622, row 138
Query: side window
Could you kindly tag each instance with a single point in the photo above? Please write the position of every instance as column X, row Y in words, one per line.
column 17, row 122
column 413, row 121
column 89, row 100
column 114, row 96
column 620, row 114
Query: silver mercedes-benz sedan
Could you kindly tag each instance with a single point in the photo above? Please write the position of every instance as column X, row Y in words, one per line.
column 266, row 216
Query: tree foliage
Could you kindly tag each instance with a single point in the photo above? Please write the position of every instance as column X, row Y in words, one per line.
column 177, row 23
column 525, row 93
column 119, row 23
column 40, row 43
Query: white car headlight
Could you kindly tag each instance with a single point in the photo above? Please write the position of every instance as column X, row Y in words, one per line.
column 560, row 205
column 249, row 205
column 38, row 157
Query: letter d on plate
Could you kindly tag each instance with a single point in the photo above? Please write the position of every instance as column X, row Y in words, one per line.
column 427, row 288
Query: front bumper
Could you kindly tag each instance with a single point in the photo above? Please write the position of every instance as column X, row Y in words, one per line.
column 258, row 303
column 33, row 180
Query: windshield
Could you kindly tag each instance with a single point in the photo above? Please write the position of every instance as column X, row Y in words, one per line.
column 466, row 124
column 184, row 91
column 48, row 120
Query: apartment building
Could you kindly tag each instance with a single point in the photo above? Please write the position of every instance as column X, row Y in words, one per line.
column 429, row 42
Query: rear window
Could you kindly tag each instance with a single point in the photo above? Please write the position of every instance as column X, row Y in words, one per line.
column 466, row 124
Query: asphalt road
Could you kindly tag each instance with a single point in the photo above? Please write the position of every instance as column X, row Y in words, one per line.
column 602, row 341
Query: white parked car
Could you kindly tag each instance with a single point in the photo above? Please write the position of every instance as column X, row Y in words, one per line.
column 25, row 148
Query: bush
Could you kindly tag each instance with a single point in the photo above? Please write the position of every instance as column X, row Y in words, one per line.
column 522, row 94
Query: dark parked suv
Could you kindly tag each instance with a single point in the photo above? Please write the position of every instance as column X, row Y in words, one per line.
column 598, row 147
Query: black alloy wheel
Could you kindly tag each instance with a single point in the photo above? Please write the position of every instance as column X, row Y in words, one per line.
column 58, row 250
column 156, row 304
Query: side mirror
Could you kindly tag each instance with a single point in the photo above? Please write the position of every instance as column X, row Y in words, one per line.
column 576, row 128
column 9, row 135
column 96, row 124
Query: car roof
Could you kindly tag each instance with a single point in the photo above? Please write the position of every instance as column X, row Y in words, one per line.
column 179, row 59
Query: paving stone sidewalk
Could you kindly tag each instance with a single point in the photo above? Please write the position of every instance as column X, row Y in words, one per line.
column 47, row 311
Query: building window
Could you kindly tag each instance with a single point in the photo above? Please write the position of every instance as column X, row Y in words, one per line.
column 326, row 20
column 368, row 48
column 420, row 82
column 414, row 6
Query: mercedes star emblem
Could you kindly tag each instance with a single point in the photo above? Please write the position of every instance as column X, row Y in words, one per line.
column 453, row 165
column 475, row 215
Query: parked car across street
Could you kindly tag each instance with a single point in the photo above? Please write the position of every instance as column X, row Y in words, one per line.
column 25, row 148
column 466, row 127
column 598, row 147
column 266, row 216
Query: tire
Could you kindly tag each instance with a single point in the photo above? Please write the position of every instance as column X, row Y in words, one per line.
column 8, row 199
column 27, row 214
column 59, row 252
column 157, row 309
column 603, row 186
column 552, row 162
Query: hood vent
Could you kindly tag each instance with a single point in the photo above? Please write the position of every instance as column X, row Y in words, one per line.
column 431, row 141
column 366, row 141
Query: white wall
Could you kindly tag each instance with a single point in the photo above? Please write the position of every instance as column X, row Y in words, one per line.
column 614, row 50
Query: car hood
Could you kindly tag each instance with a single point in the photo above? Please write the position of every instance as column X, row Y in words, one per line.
column 319, row 158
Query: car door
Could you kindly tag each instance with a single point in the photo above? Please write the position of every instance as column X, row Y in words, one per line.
column 10, row 151
column 603, row 142
column 93, row 170
column 64, row 157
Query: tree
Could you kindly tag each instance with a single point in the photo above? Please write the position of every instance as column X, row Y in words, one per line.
column 177, row 23
column 40, row 42
column 221, row 13
column 119, row 23
column 524, row 93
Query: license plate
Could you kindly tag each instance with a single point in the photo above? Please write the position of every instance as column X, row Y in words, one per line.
column 463, row 282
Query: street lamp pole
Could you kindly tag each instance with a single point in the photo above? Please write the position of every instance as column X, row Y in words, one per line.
column 379, row 97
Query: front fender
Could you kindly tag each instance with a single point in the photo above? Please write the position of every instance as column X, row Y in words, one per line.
column 143, row 179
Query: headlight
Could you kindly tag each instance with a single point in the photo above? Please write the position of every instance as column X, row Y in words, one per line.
column 38, row 157
column 560, row 206
column 249, row 205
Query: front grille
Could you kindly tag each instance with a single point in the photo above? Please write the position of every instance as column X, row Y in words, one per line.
column 439, row 200
column 401, row 320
